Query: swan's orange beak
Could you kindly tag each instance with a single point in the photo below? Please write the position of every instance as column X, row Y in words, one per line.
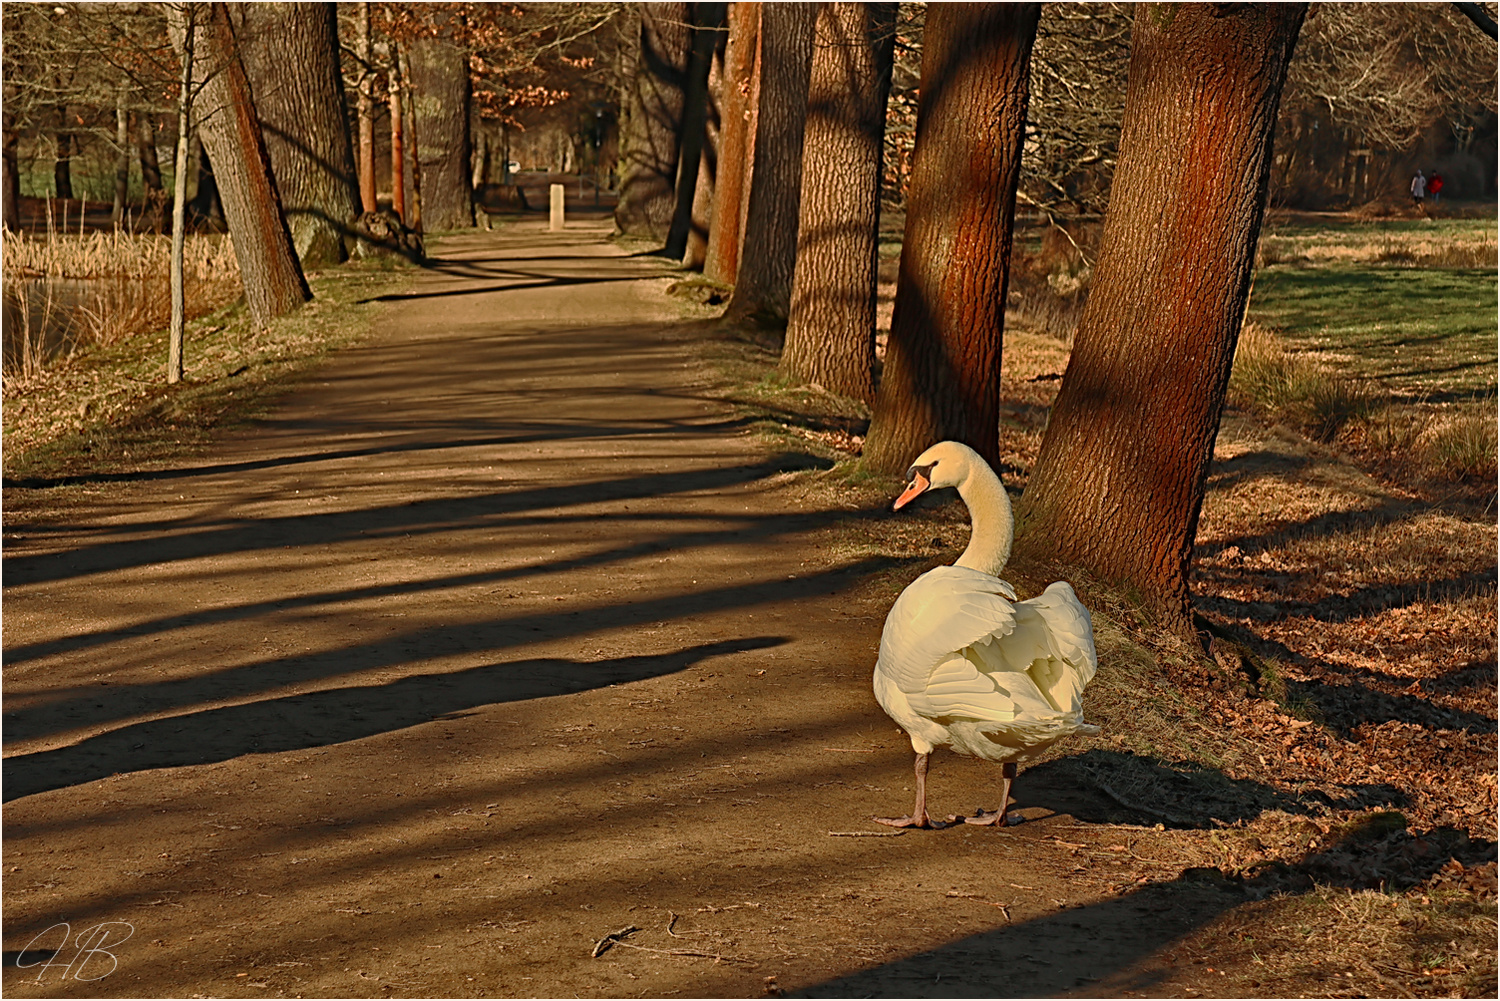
column 918, row 485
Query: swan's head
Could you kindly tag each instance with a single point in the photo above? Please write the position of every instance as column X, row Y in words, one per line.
column 945, row 464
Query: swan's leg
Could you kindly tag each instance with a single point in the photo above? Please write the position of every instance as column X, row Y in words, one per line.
column 997, row 818
column 918, row 816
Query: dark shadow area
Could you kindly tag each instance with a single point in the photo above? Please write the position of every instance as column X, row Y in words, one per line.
column 1181, row 795
column 419, row 517
column 106, row 703
column 23, row 958
column 334, row 716
column 1068, row 952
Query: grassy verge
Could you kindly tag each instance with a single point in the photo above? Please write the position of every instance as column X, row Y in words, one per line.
column 109, row 410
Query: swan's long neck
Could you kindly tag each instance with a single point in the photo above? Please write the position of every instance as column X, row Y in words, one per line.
column 991, row 527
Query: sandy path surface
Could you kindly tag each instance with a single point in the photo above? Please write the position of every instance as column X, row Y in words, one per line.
column 499, row 635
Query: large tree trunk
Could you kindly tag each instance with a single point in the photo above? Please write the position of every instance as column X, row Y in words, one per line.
column 942, row 364
column 291, row 55
column 763, row 287
column 438, row 78
column 1119, row 483
column 736, row 143
column 696, row 249
column 398, row 137
column 651, row 134
column 708, row 28
column 273, row 280
column 830, row 333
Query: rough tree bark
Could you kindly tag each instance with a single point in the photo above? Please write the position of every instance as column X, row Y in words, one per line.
column 651, row 133
column 291, row 54
column 438, row 92
column 763, row 286
column 942, row 364
column 736, row 143
column 830, row 333
column 708, row 28
column 1119, row 482
column 273, row 279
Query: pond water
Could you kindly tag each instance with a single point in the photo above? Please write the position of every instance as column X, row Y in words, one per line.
column 41, row 317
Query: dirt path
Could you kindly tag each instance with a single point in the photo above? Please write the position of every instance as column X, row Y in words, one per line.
column 499, row 636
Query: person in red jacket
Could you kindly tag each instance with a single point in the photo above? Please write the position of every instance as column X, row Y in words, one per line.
column 1435, row 187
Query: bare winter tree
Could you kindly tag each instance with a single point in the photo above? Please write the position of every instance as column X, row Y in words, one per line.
column 1119, row 482
column 942, row 365
column 830, row 334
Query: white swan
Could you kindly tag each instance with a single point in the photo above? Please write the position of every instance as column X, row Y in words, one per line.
column 962, row 663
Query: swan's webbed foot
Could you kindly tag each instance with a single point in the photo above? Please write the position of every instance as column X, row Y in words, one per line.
column 990, row 818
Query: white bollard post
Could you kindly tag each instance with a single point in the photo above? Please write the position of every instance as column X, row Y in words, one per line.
column 557, row 207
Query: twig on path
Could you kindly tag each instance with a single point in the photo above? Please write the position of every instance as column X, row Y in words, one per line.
column 716, row 957
column 852, row 750
column 602, row 946
column 865, row 834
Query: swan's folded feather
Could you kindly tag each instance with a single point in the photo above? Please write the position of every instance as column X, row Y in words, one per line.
column 940, row 613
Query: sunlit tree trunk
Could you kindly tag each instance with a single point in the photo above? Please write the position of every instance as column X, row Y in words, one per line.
column 763, row 285
column 366, row 111
column 651, row 132
column 736, row 143
column 1119, row 482
column 398, row 144
column 830, row 334
column 122, row 160
column 941, row 378
column 184, row 22
column 291, row 55
column 272, row 277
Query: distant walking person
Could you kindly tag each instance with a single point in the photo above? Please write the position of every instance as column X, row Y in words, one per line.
column 1419, row 187
column 1435, row 187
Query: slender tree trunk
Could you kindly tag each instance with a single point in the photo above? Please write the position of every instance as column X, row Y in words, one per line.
column 122, row 161
column 651, row 138
column 1119, row 482
column 438, row 72
column 763, row 287
column 708, row 166
column 366, row 111
column 942, row 363
column 10, row 184
column 830, row 334
column 398, row 146
column 184, row 23
column 291, row 55
column 272, row 277
column 708, row 28
column 736, row 143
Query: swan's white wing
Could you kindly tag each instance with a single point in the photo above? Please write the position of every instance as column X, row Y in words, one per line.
column 1068, row 664
column 940, row 614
